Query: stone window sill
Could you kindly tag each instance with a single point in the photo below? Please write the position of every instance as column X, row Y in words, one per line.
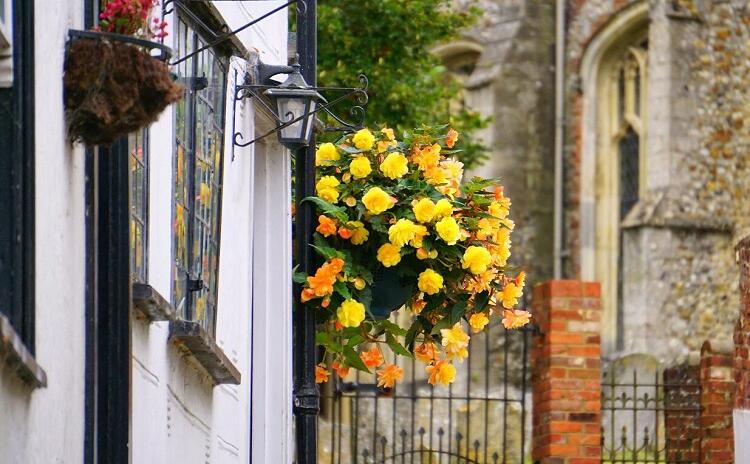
column 15, row 356
column 191, row 338
column 150, row 304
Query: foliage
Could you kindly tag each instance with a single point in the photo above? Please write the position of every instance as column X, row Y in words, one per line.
column 391, row 41
column 131, row 17
column 395, row 218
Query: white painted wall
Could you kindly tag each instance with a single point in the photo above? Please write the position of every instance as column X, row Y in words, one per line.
column 46, row 425
column 741, row 425
column 178, row 415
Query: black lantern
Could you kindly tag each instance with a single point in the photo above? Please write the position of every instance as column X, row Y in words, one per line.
column 296, row 105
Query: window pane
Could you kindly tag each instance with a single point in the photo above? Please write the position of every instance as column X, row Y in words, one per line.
column 138, row 150
column 629, row 166
column 199, row 145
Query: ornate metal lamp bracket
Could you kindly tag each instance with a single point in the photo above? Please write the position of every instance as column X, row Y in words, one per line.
column 357, row 96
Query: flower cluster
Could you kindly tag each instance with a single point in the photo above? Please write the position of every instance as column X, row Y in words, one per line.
column 131, row 17
column 395, row 217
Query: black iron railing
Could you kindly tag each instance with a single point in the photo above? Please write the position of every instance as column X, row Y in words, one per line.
column 481, row 418
column 651, row 415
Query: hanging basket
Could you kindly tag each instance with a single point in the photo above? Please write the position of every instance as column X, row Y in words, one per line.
column 113, row 86
column 389, row 292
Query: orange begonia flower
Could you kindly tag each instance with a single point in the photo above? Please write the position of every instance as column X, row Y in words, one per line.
column 342, row 370
column 326, row 226
column 372, row 358
column 345, row 233
column 451, row 137
column 388, row 375
column 515, row 318
column 425, row 352
column 321, row 374
column 442, row 372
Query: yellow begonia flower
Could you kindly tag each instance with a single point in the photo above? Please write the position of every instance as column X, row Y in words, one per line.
column 424, row 210
column 363, row 139
column 420, row 232
column 476, row 259
column 478, row 321
column 499, row 209
column 442, row 372
column 443, row 208
column 360, row 236
column 351, row 313
column 388, row 132
column 326, row 152
column 430, row 282
column 360, row 167
column 455, row 340
column 326, row 189
column 510, row 294
column 394, row 166
column 435, row 176
column 389, row 254
column 359, row 283
column 376, row 200
column 448, row 230
column 401, row 232
column 427, row 157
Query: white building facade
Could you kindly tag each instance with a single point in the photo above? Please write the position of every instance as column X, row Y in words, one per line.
column 145, row 315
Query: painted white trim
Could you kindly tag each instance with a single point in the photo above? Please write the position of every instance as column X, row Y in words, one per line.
column 272, row 303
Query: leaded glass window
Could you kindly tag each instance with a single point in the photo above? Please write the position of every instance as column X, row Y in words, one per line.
column 199, row 145
column 138, row 152
column 627, row 133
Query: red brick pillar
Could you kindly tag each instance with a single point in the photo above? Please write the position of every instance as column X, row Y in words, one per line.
column 566, row 373
column 717, row 401
column 742, row 331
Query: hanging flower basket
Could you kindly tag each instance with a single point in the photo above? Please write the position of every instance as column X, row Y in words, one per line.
column 413, row 257
column 113, row 86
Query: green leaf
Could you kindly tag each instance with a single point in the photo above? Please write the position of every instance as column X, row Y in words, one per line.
column 395, row 329
column 457, row 311
column 299, row 277
column 411, row 334
column 342, row 289
column 338, row 212
column 481, row 300
column 353, row 359
column 476, row 184
column 355, row 340
column 396, row 347
column 443, row 323
column 324, row 339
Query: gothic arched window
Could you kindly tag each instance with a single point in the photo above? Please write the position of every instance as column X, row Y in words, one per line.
column 620, row 167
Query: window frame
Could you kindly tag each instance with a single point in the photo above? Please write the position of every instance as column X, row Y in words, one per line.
column 139, row 273
column 18, row 101
column 615, row 118
column 185, row 303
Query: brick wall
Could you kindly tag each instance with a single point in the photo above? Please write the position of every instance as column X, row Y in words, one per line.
column 566, row 373
column 742, row 331
column 682, row 417
column 717, row 400
column 566, row 381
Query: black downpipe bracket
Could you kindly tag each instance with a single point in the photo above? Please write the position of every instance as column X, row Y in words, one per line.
column 306, row 393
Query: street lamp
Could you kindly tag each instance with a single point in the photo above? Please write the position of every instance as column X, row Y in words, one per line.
column 296, row 105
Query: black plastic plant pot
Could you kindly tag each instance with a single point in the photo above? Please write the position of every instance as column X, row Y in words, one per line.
column 114, row 85
column 389, row 292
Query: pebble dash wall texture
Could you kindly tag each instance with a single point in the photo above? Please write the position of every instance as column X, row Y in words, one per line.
column 696, row 205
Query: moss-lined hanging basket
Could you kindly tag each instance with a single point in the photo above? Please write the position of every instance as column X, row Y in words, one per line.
column 114, row 86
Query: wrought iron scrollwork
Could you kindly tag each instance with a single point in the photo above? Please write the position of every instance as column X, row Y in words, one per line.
column 357, row 95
